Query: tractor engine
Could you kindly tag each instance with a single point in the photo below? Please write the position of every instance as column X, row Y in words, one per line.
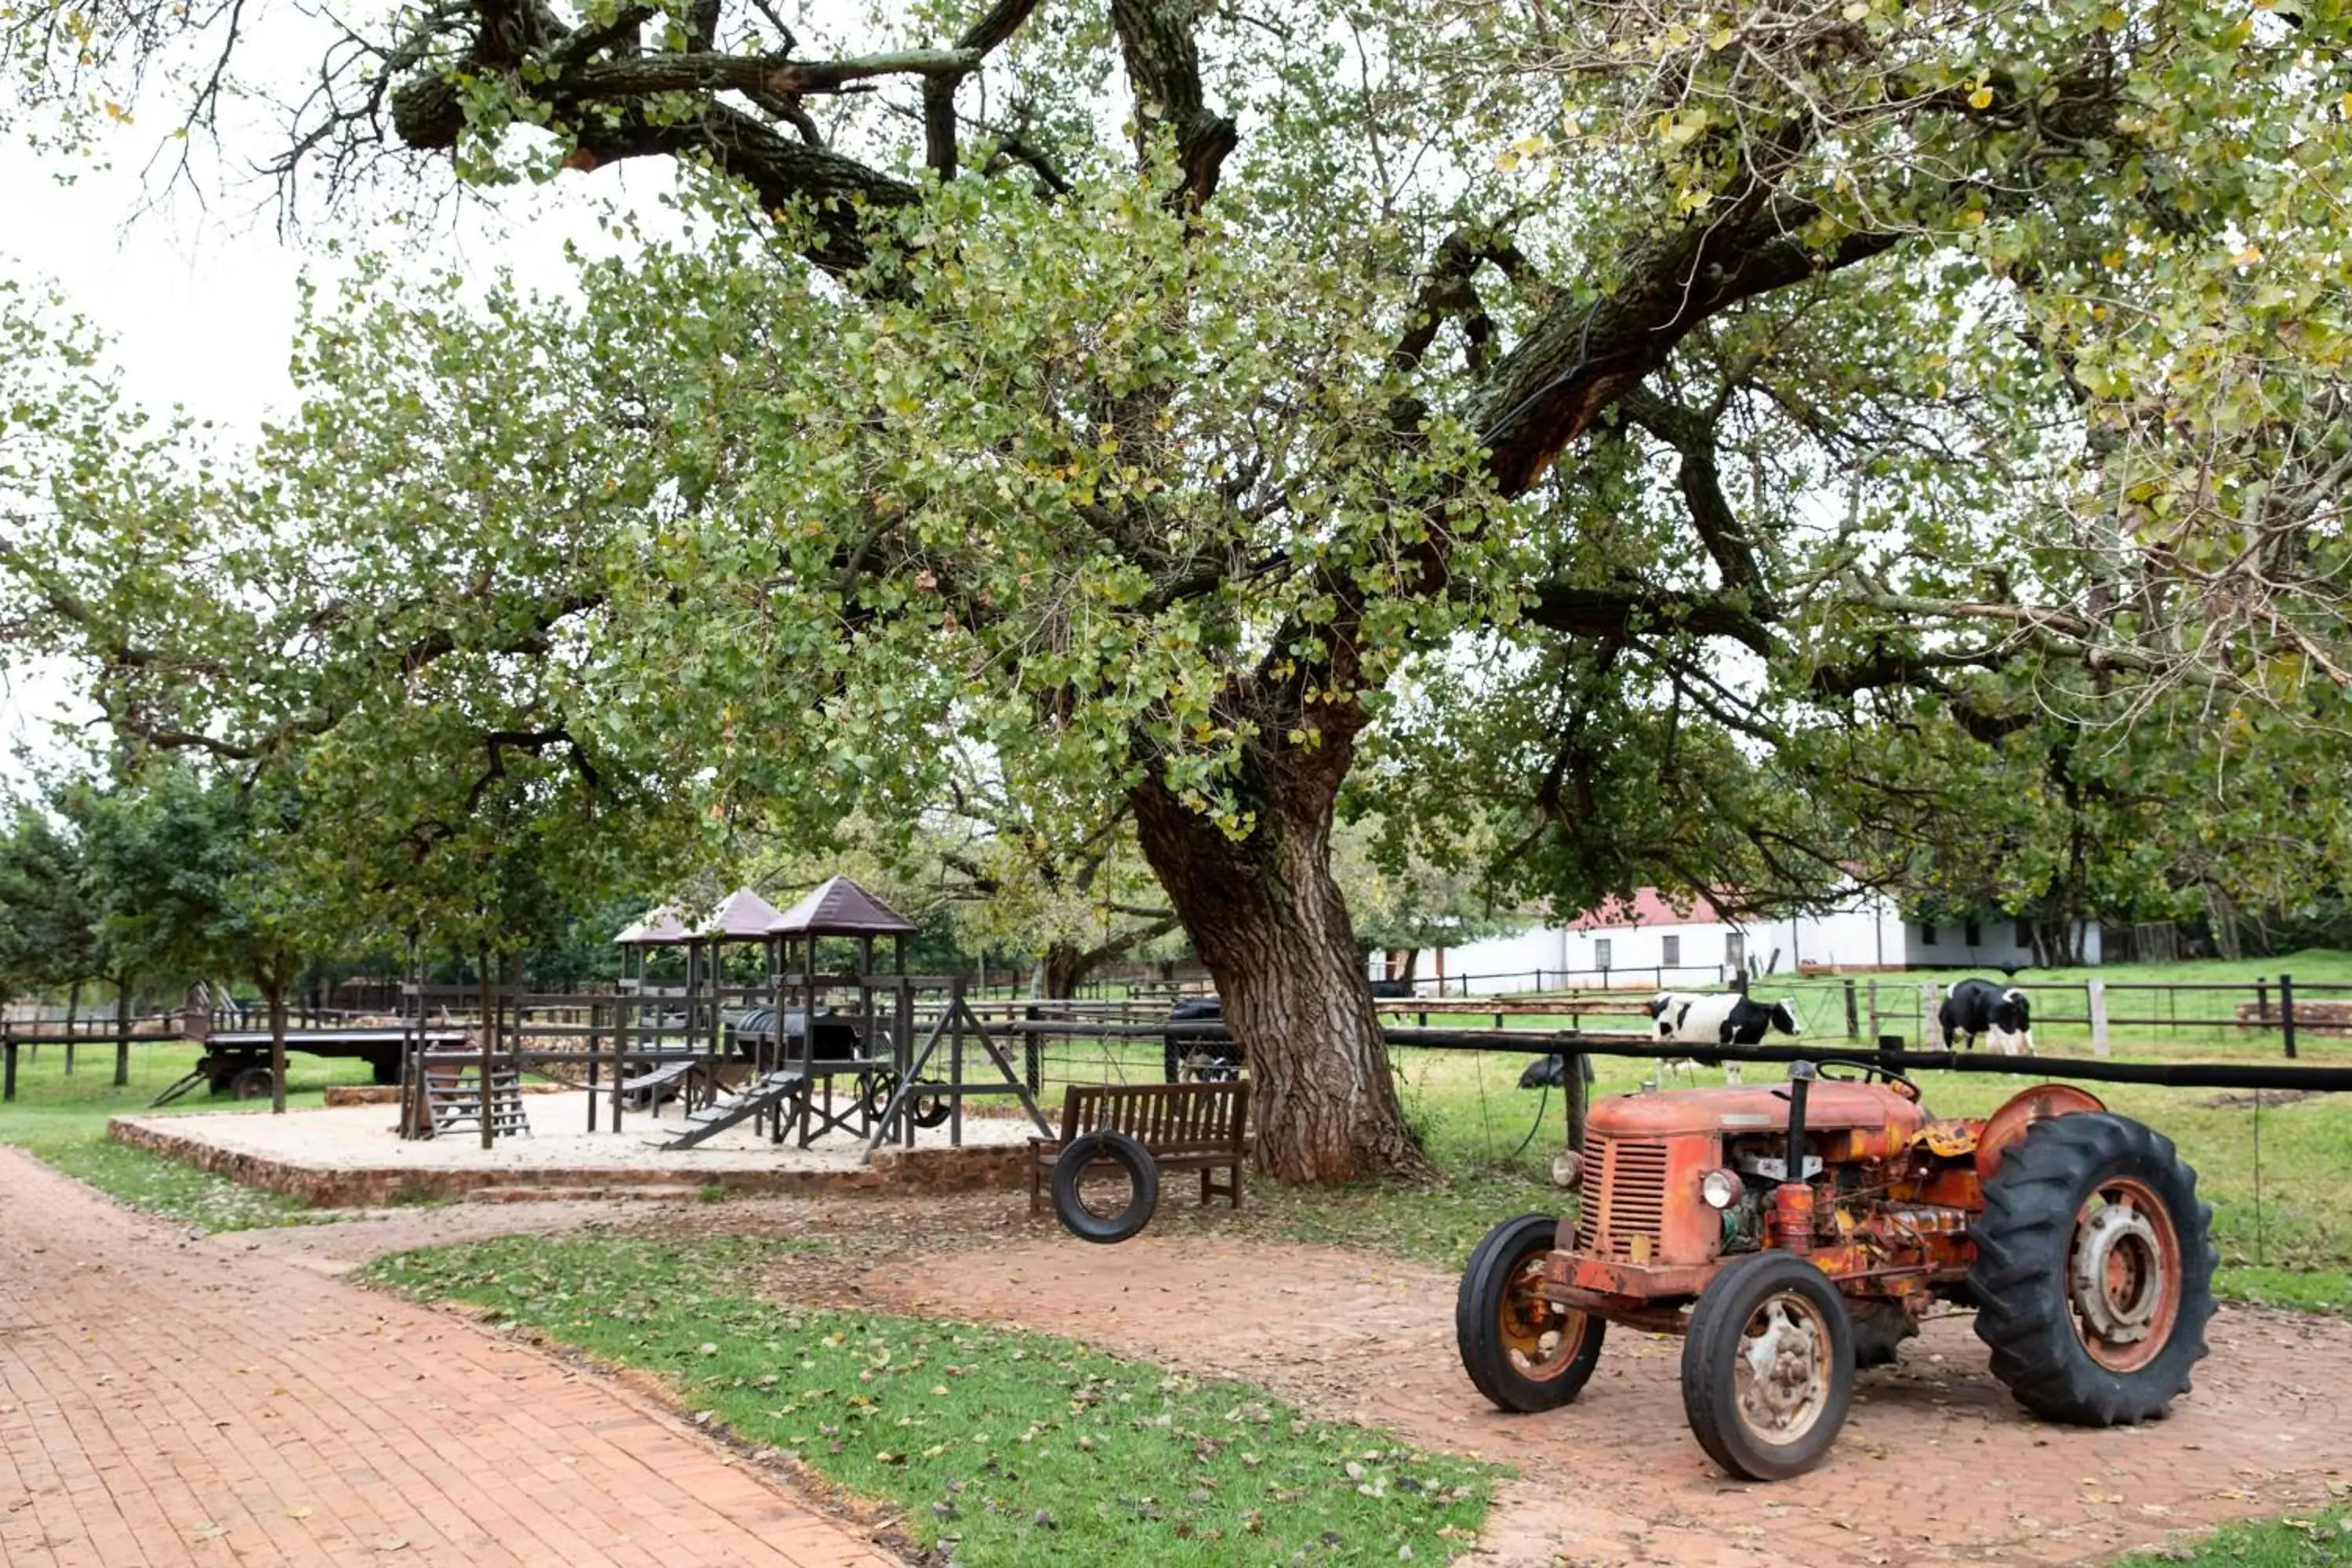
column 1675, row 1181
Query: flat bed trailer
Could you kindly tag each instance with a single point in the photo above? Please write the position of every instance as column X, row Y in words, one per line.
column 237, row 1061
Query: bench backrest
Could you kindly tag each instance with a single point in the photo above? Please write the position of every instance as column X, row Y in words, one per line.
column 1164, row 1117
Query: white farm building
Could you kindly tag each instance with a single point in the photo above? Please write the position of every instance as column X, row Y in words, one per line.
column 1652, row 941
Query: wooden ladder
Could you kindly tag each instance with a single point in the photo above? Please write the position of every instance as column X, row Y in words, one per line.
column 453, row 1098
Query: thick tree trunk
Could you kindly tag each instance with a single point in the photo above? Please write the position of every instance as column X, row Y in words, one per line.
column 1059, row 972
column 1271, row 925
column 122, row 1033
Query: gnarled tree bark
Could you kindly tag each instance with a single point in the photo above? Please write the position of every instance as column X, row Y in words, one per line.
column 1273, row 928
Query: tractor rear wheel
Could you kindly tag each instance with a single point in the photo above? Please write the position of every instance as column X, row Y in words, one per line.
column 2093, row 1275
column 1767, row 1366
column 1523, row 1352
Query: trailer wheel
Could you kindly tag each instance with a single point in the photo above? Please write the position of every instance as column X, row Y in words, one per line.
column 1085, row 1204
column 2093, row 1275
column 1522, row 1353
column 1767, row 1366
column 250, row 1083
column 384, row 1070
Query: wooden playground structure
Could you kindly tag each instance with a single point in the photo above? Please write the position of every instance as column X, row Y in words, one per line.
column 753, row 1027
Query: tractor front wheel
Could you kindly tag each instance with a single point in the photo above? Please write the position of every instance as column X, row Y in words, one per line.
column 2093, row 1275
column 1522, row 1352
column 1767, row 1366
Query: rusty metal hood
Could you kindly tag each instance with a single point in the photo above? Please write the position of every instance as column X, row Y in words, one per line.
column 1831, row 1107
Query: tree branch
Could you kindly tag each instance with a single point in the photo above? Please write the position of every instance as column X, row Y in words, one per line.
column 1163, row 64
column 1620, row 612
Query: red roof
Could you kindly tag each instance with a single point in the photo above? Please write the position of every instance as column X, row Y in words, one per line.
column 1649, row 907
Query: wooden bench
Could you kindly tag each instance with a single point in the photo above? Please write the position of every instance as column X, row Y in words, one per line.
column 1187, row 1127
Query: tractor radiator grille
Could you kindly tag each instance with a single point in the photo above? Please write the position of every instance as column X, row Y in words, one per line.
column 1629, row 1200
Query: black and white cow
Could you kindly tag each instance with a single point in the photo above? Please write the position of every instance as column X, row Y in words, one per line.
column 1712, row 1018
column 1982, row 1008
column 1718, row 1019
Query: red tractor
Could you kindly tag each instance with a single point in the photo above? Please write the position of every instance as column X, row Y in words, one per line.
column 1792, row 1234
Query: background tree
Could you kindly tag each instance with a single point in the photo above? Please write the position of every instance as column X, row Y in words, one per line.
column 49, row 939
column 192, row 883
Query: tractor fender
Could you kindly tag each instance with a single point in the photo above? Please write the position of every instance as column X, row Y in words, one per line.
column 2005, row 1126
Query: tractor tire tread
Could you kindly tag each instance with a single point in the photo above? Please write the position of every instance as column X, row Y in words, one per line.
column 2019, row 1280
column 1494, row 1261
column 1712, row 1342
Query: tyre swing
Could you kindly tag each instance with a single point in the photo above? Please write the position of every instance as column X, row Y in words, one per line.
column 1091, row 1207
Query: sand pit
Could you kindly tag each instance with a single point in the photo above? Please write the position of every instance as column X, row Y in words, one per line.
column 353, row 1156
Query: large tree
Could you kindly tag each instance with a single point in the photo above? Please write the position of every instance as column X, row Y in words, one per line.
column 1143, row 446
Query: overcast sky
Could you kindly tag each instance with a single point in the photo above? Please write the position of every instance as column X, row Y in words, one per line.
column 201, row 299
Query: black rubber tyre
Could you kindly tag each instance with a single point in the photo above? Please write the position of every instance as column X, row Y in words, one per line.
column 384, row 1070
column 1522, row 1353
column 2093, row 1320
column 1727, row 1398
column 923, row 1109
column 250, row 1083
column 1105, row 1148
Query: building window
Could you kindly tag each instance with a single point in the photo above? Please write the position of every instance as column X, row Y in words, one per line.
column 1735, row 950
column 2024, row 933
column 1670, row 951
column 1927, row 933
column 1600, row 951
column 1972, row 934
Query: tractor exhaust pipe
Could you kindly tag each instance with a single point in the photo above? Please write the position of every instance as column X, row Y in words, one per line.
column 1792, row 1200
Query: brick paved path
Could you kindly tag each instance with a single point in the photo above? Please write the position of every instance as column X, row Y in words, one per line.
column 163, row 1402
column 1937, row 1466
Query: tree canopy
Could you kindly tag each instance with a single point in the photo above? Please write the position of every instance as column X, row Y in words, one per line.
column 1595, row 411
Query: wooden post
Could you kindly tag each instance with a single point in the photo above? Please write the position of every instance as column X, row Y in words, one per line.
column 2096, row 992
column 595, row 1047
column 2262, row 999
column 1929, row 994
column 955, row 1073
column 1572, row 1071
column 1873, row 1015
column 2286, row 1010
column 622, row 1007
column 8, row 1049
column 1852, row 1013
column 485, row 989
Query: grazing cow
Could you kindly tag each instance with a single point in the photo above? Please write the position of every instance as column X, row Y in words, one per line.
column 1975, row 1007
column 1724, row 1018
column 1551, row 1072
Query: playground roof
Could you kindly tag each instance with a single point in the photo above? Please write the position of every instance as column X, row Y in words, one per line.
column 839, row 906
column 742, row 915
column 656, row 928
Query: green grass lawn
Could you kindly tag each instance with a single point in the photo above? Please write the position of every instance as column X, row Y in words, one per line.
column 997, row 1446
column 62, row 1118
column 2320, row 1541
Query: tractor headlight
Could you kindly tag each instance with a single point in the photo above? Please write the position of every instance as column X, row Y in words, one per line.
column 1721, row 1189
column 1566, row 1170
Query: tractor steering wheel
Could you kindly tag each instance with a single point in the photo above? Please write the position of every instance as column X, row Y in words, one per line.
column 1870, row 1073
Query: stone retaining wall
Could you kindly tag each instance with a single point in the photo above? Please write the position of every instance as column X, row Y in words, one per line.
column 935, row 1170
